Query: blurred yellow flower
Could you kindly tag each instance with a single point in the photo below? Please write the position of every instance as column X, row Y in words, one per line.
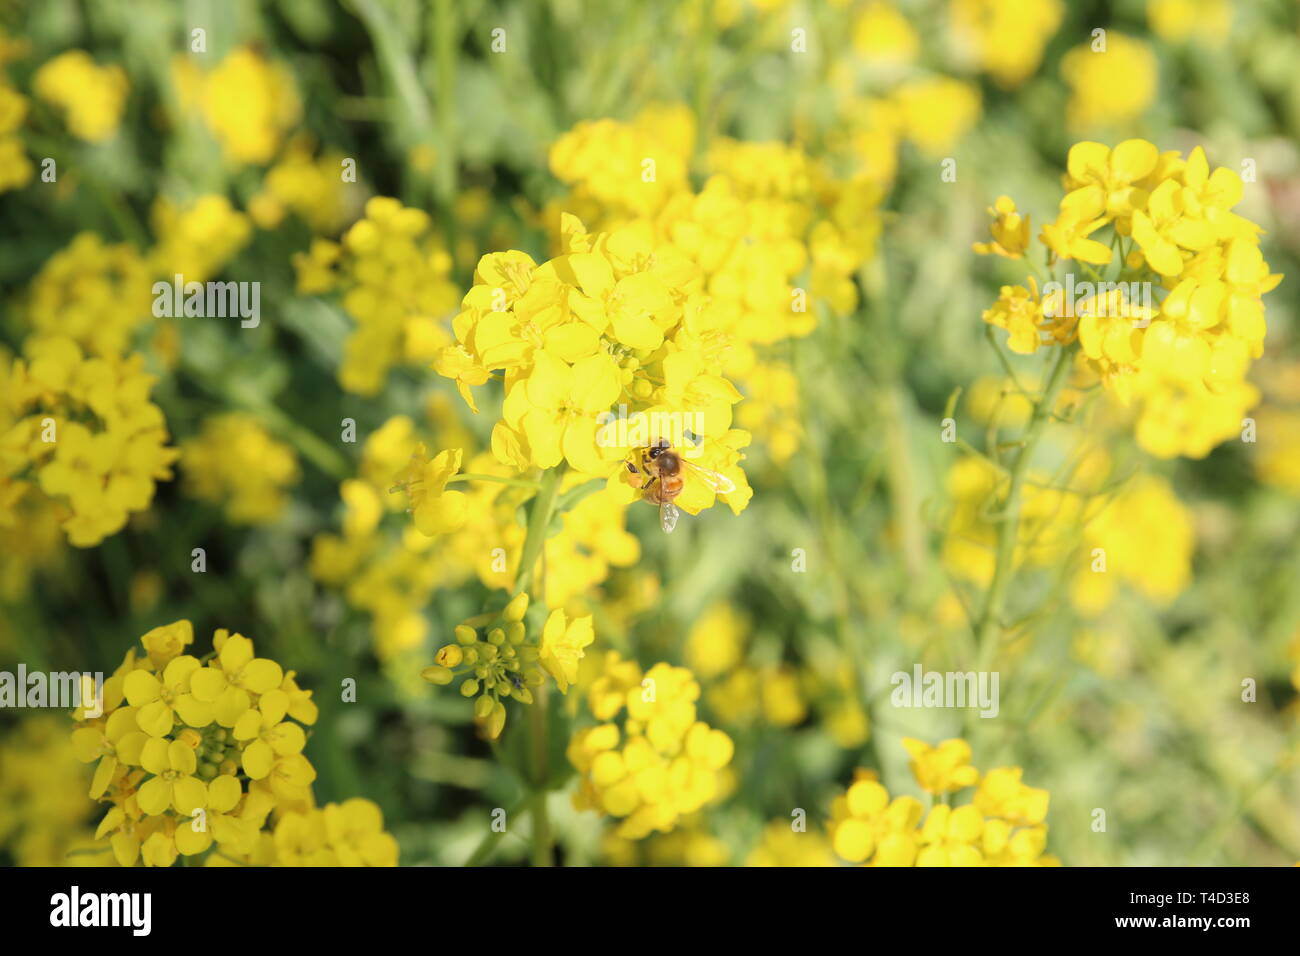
column 1001, row 826
column 1206, row 21
column 197, row 239
column 91, row 96
column 883, row 36
column 248, row 102
column 235, row 462
column 944, row 768
column 1110, row 86
column 937, row 112
column 1005, row 38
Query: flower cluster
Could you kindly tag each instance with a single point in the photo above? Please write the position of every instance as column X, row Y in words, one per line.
column 742, row 693
column 248, row 102
column 1143, row 537
column 1207, row 22
column 44, row 815
column 393, row 277
column 771, row 234
column 765, row 213
column 1137, row 534
column 307, row 186
column 1049, row 520
column 1005, row 38
column 1003, row 825
column 91, row 96
column 391, row 572
column 196, row 755
column 32, row 539
column 235, row 462
column 662, row 764
column 887, row 97
column 496, row 660
column 197, row 239
column 614, row 320
column 350, row 833
column 82, row 431
column 1180, row 358
column 605, row 161
column 1111, row 79
column 93, row 292
column 782, row 846
column 15, row 168
column 77, row 421
column 1276, row 462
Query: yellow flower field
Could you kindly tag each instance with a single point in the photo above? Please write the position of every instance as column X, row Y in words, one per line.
column 697, row 433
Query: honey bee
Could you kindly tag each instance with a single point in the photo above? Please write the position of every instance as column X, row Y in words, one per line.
column 663, row 472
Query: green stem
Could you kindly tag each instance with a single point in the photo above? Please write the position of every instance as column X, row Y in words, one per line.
column 542, row 855
column 702, row 52
column 444, row 70
column 988, row 624
column 312, row 447
column 395, row 62
column 489, row 842
column 1003, row 360
column 539, row 521
column 515, row 482
column 902, row 483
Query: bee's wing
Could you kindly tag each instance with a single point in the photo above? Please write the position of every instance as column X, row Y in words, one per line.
column 718, row 482
column 668, row 515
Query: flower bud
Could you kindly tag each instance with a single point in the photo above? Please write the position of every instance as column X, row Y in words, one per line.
column 450, row 655
column 496, row 721
column 514, row 611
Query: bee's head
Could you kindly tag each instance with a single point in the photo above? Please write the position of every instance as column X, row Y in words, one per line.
column 658, row 448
